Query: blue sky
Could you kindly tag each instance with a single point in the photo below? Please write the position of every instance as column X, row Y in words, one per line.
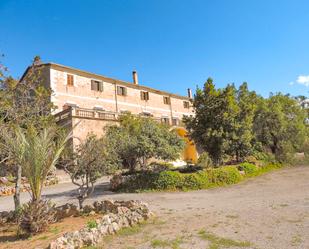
column 172, row 44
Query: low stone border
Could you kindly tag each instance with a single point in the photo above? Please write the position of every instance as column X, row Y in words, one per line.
column 119, row 214
column 6, row 190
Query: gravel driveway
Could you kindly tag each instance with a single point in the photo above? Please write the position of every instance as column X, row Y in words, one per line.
column 266, row 212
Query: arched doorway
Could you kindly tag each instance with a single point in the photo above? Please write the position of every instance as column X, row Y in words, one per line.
column 190, row 152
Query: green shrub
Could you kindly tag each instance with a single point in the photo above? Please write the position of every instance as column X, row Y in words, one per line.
column 204, row 161
column 171, row 180
column 195, row 181
column 251, row 159
column 248, row 168
column 160, row 166
column 140, row 181
column 92, row 224
column 189, row 169
column 224, row 175
column 270, row 166
column 202, row 179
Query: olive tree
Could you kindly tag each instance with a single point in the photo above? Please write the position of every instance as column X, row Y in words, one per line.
column 89, row 161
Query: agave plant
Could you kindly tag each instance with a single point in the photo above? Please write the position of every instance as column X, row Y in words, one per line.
column 37, row 151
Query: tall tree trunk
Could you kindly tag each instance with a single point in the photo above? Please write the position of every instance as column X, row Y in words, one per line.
column 17, row 188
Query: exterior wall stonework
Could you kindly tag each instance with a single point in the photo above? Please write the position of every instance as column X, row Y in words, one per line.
column 81, row 95
column 84, row 126
column 89, row 111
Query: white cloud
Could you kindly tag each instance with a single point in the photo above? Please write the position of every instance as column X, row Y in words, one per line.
column 303, row 80
column 291, row 83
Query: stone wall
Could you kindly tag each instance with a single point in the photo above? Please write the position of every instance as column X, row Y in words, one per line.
column 118, row 214
column 80, row 94
column 8, row 188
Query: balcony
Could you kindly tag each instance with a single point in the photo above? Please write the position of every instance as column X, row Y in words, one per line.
column 105, row 115
column 85, row 113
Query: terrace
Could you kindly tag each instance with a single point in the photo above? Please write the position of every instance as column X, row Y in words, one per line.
column 84, row 113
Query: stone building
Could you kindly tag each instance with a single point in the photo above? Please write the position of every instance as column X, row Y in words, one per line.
column 94, row 101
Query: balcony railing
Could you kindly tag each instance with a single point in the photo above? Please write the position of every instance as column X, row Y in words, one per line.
column 103, row 115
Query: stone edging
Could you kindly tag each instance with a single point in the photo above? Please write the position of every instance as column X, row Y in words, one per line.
column 118, row 214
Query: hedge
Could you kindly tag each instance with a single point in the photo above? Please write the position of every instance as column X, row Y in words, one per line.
column 248, row 168
column 174, row 180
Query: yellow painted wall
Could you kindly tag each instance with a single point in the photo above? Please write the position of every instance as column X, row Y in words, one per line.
column 190, row 152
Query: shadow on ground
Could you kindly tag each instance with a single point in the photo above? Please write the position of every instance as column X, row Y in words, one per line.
column 98, row 190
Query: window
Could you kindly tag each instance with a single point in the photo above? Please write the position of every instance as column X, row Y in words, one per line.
column 165, row 120
column 166, row 100
column 146, row 114
column 186, row 104
column 144, row 95
column 175, row 121
column 97, row 85
column 69, row 105
column 98, row 108
column 121, row 90
column 70, row 80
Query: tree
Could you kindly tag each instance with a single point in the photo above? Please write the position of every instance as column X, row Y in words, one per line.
column 23, row 103
column 138, row 139
column 242, row 144
column 90, row 160
column 37, row 151
column 213, row 126
column 279, row 125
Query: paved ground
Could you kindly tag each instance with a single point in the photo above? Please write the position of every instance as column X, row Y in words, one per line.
column 267, row 212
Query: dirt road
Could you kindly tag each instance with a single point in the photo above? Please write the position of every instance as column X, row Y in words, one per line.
column 266, row 212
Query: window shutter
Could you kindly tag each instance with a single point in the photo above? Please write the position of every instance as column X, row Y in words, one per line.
column 142, row 95
column 70, row 80
column 101, row 86
column 92, row 85
column 125, row 91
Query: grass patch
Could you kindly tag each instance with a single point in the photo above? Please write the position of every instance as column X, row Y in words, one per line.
column 219, row 242
column 43, row 237
column 174, row 244
column 127, row 231
column 54, row 230
column 296, row 240
column 92, row 224
column 160, row 243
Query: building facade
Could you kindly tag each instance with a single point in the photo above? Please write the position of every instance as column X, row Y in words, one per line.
column 94, row 101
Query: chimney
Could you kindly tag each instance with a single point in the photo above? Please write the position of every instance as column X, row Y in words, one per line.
column 37, row 60
column 189, row 93
column 135, row 79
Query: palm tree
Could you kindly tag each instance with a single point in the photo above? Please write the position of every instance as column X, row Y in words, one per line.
column 36, row 151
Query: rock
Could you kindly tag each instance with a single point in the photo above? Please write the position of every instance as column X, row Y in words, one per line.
column 88, row 208
column 4, row 180
column 116, row 181
column 115, row 226
column 118, row 214
column 66, row 210
column 92, row 213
